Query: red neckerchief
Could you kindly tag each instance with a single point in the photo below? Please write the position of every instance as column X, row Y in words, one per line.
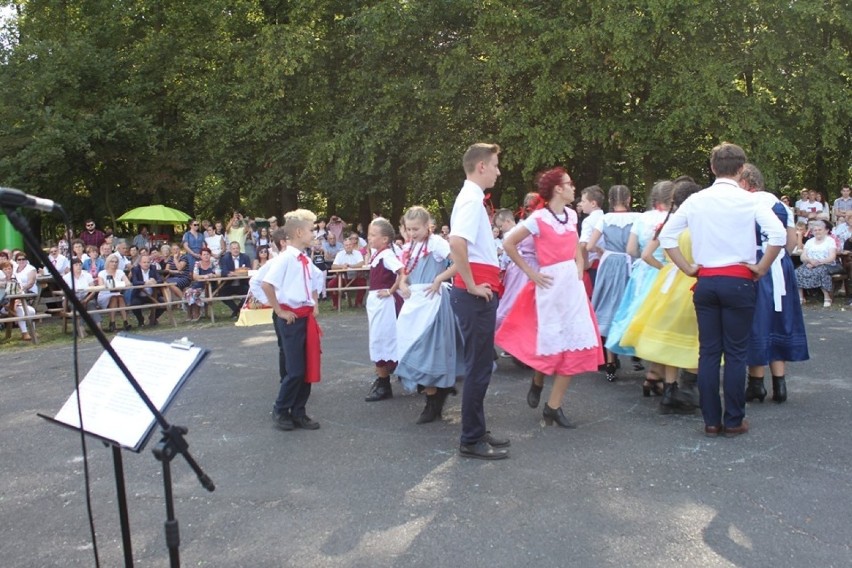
column 305, row 273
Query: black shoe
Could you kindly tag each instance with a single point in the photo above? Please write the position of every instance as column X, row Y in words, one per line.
column 534, row 395
column 111, row 326
column 779, row 389
column 481, row 451
column 637, row 364
column 551, row 415
column 687, row 391
column 610, row 372
column 235, row 315
column 495, row 442
column 431, row 412
column 755, row 389
column 283, row 421
column 153, row 323
column 127, row 326
column 380, row 390
column 305, row 423
column 672, row 402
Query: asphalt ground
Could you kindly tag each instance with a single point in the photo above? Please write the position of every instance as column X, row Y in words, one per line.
column 628, row 487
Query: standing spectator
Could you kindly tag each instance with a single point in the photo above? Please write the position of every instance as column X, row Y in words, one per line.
column 822, row 210
column 842, row 203
column 143, row 239
column 237, row 230
column 335, row 227
column 319, row 229
column 92, row 236
column 331, row 247
column 215, row 242
column 722, row 220
column 273, row 246
column 192, row 242
column 474, row 297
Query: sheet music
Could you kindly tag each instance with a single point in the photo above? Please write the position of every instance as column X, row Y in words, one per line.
column 111, row 407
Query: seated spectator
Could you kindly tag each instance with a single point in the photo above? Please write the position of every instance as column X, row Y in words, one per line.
column 195, row 295
column 841, row 231
column 78, row 249
column 346, row 259
column 58, row 260
column 146, row 273
column 16, row 306
column 234, row 261
column 25, row 273
column 121, row 254
column 95, row 262
column 330, row 247
column 81, row 281
column 262, row 257
column 142, row 240
column 177, row 271
column 818, row 254
column 112, row 278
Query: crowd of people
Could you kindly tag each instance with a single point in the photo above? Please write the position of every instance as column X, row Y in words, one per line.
column 565, row 288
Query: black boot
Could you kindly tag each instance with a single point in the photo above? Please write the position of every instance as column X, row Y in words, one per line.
column 779, row 388
column 551, row 415
column 432, row 411
column 380, row 391
column 755, row 389
column 671, row 403
column 687, row 393
column 534, row 395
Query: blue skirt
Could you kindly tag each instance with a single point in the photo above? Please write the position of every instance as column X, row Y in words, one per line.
column 610, row 283
column 640, row 284
column 778, row 336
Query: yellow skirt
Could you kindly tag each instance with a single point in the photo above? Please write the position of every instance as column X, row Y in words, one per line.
column 665, row 329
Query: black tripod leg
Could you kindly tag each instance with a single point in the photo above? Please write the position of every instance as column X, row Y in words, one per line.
column 118, row 466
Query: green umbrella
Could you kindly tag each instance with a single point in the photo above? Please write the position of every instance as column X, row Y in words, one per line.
column 155, row 214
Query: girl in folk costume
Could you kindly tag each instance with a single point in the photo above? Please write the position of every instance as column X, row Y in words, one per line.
column 614, row 269
column 665, row 330
column 642, row 277
column 514, row 278
column 427, row 335
column 383, row 304
column 778, row 330
column 552, row 327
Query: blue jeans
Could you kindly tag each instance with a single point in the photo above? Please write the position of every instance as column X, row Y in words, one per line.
column 294, row 391
column 476, row 318
column 724, row 307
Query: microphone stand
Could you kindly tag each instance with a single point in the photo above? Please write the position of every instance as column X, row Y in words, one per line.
column 173, row 441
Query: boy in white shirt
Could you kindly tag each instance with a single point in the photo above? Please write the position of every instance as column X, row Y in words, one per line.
column 590, row 204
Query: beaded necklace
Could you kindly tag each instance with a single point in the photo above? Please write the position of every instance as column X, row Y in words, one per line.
column 411, row 260
column 558, row 220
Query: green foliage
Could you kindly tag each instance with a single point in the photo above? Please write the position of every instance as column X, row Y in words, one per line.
column 361, row 107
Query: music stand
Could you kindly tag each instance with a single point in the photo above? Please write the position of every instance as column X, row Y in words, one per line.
column 173, row 441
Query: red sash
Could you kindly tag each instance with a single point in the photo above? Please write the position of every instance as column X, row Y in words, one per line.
column 732, row 271
column 482, row 274
column 313, row 350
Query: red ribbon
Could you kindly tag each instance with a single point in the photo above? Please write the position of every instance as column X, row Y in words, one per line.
column 313, row 349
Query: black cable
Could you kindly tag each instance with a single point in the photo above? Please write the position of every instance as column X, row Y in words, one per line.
column 76, row 367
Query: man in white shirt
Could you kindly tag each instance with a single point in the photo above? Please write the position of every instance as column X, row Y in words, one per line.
column 348, row 258
column 721, row 220
column 59, row 261
column 842, row 203
column 475, row 297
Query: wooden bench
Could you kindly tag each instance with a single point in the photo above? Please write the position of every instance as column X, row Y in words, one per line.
column 215, row 285
column 66, row 313
column 341, row 288
column 10, row 321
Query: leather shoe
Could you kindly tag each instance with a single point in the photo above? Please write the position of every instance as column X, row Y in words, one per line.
column 495, row 442
column 713, row 431
column 481, row 451
column 305, row 423
column 732, row 432
column 283, row 421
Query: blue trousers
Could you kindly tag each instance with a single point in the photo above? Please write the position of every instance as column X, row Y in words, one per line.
column 294, row 391
column 477, row 318
column 724, row 307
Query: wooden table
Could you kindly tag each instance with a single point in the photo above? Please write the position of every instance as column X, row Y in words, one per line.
column 216, row 284
column 340, row 288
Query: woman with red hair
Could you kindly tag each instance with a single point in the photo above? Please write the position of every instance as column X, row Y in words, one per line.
column 551, row 326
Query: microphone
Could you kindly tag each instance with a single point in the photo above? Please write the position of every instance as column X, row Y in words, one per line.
column 16, row 198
